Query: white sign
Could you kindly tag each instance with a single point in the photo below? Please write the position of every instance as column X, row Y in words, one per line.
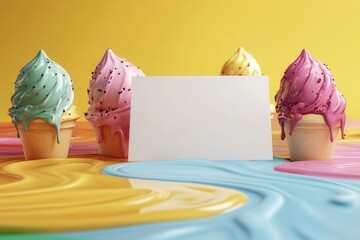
column 213, row 118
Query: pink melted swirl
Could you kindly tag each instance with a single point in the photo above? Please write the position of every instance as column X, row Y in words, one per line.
column 308, row 87
column 345, row 165
column 110, row 95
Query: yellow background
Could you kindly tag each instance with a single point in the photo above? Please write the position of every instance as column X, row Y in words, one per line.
column 185, row 37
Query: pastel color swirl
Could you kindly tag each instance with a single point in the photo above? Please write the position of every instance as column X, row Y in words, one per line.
column 75, row 196
column 280, row 205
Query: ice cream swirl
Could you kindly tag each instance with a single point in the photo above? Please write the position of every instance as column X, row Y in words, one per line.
column 110, row 94
column 43, row 90
column 242, row 64
column 308, row 87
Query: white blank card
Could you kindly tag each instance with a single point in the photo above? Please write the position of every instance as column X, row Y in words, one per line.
column 209, row 117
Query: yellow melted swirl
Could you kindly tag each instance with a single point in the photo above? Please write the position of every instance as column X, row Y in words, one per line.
column 71, row 194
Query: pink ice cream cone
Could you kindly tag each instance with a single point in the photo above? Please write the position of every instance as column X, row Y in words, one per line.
column 110, row 101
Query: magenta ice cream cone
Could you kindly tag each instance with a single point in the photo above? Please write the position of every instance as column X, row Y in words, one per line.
column 310, row 109
column 110, row 101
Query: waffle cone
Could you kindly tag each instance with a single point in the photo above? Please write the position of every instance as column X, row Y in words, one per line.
column 39, row 140
column 310, row 139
